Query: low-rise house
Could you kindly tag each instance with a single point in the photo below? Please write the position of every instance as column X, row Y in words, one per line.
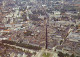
column 74, row 37
column 57, row 14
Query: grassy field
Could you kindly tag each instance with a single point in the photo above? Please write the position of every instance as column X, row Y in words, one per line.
column 46, row 55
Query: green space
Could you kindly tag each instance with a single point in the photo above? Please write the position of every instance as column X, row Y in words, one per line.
column 46, row 55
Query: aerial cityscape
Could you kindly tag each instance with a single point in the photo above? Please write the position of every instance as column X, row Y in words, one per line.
column 39, row 28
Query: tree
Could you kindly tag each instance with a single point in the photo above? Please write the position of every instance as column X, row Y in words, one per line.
column 72, row 55
column 66, row 55
column 60, row 54
column 61, row 42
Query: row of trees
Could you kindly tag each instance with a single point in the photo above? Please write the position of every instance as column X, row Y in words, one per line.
column 21, row 45
column 60, row 54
